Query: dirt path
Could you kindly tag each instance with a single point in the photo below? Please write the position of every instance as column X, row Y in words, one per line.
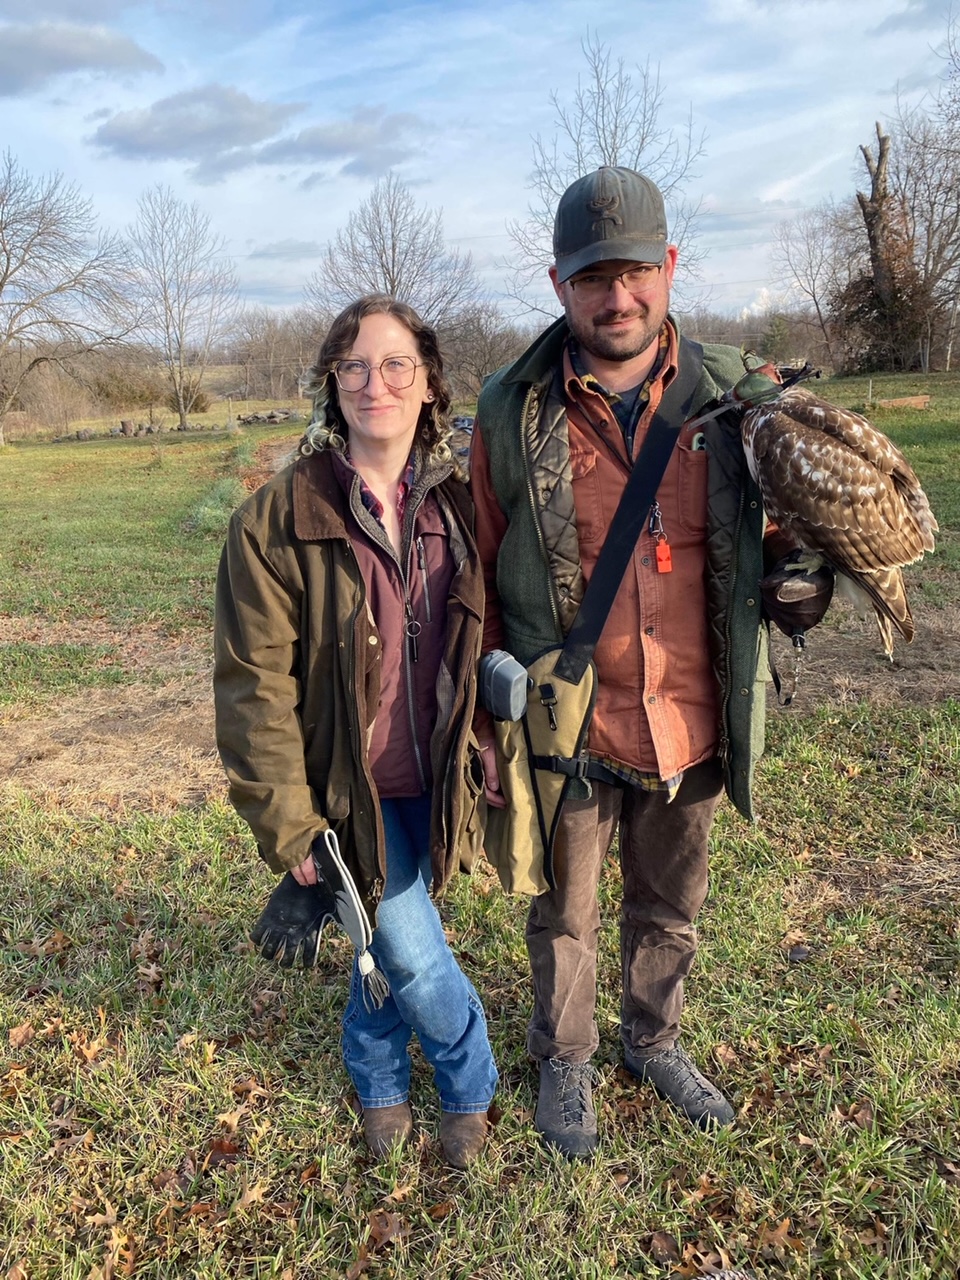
column 149, row 744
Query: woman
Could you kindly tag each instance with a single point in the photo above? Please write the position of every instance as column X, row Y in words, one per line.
column 347, row 636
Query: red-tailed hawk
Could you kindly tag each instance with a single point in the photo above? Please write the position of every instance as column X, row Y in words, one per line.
column 843, row 491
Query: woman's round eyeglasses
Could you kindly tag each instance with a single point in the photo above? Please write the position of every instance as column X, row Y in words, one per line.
column 397, row 372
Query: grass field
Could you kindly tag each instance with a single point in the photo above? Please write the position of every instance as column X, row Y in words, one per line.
column 171, row 1106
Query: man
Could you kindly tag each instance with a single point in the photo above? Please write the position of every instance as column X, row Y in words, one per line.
column 680, row 663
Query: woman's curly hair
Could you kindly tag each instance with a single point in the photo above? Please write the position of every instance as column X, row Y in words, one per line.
column 328, row 427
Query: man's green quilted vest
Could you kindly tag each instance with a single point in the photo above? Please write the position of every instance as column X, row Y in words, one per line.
column 522, row 419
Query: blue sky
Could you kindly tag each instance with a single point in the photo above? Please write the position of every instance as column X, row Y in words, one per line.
column 277, row 119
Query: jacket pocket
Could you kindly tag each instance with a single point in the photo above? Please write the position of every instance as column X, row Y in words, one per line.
column 692, row 486
column 474, row 808
column 587, row 499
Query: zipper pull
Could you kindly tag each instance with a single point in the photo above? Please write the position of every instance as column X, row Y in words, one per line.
column 412, row 629
column 422, row 562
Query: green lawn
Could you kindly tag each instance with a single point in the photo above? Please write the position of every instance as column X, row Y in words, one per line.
column 171, row 1106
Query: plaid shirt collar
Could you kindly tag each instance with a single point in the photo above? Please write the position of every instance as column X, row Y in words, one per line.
column 628, row 407
column 594, row 384
column 373, row 503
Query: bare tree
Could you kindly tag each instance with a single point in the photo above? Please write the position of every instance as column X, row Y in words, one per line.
column 925, row 176
column 60, row 279
column 816, row 255
column 392, row 245
column 274, row 349
column 481, row 343
column 307, row 327
column 186, row 288
column 261, row 351
column 616, row 118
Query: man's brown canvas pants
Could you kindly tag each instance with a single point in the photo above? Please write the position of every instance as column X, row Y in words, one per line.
column 663, row 858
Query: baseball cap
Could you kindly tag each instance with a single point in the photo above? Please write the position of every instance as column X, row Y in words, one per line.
column 611, row 213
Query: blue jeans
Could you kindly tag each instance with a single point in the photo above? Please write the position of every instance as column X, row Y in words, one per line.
column 429, row 992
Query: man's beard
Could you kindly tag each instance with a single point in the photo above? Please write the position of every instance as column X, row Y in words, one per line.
column 619, row 347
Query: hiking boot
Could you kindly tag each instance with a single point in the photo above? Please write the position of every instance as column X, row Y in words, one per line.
column 387, row 1127
column 565, row 1116
column 462, row 1136
column 675, row 1077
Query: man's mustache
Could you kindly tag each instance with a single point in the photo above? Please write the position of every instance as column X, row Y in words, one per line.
column 609, row 317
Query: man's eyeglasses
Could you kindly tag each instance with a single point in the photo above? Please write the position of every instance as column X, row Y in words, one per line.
column 397, row 372
column 594, row 285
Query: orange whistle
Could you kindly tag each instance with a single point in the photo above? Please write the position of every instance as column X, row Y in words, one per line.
column 664, row 559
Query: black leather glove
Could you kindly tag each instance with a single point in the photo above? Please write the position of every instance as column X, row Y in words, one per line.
column 292, row 921
column 795, row 599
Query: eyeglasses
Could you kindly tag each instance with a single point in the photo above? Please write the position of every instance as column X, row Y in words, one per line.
column 397, row 372
column 637, row 280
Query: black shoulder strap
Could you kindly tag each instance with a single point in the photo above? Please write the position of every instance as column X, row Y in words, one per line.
column 627, row 523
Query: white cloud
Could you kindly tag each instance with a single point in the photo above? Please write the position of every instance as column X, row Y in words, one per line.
column 32, row 56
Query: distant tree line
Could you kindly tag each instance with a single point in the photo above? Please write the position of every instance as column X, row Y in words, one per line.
column 152, row 321
column 91, row 322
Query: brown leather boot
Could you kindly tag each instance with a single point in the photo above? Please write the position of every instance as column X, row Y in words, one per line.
column 462, row 1136
column 387, row 1127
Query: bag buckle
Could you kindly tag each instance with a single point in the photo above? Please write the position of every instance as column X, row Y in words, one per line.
column 569, row 766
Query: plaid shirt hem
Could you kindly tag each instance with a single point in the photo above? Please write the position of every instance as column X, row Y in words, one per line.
column 635, row 778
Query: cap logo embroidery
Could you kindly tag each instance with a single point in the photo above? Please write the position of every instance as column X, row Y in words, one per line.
column 603, row 207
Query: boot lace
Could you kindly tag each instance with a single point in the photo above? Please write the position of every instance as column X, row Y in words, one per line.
column 574, row 1081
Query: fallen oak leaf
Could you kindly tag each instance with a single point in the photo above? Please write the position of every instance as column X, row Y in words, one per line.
column 385, row 1227
column 249, row 1089
column 861, row 1113
column 231, row 1119
column 18, row 1271
column 778, row 1238
column 151, row 978
column 108, row 1219
column 19, row 1036
column 201, row 1209
column 947, row 1170
column 362, row 1264
column 282, row 1209
column 221, row 1151
column 664, row 1248
column 75, row 1140
column 56, row 944
column 857, row 1113
column 251, row 1195
column 726, row 1055
column 399, row 1194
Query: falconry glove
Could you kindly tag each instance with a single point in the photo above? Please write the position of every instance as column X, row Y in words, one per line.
column 291, row 923
column 295, row 916
column 795, row 595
